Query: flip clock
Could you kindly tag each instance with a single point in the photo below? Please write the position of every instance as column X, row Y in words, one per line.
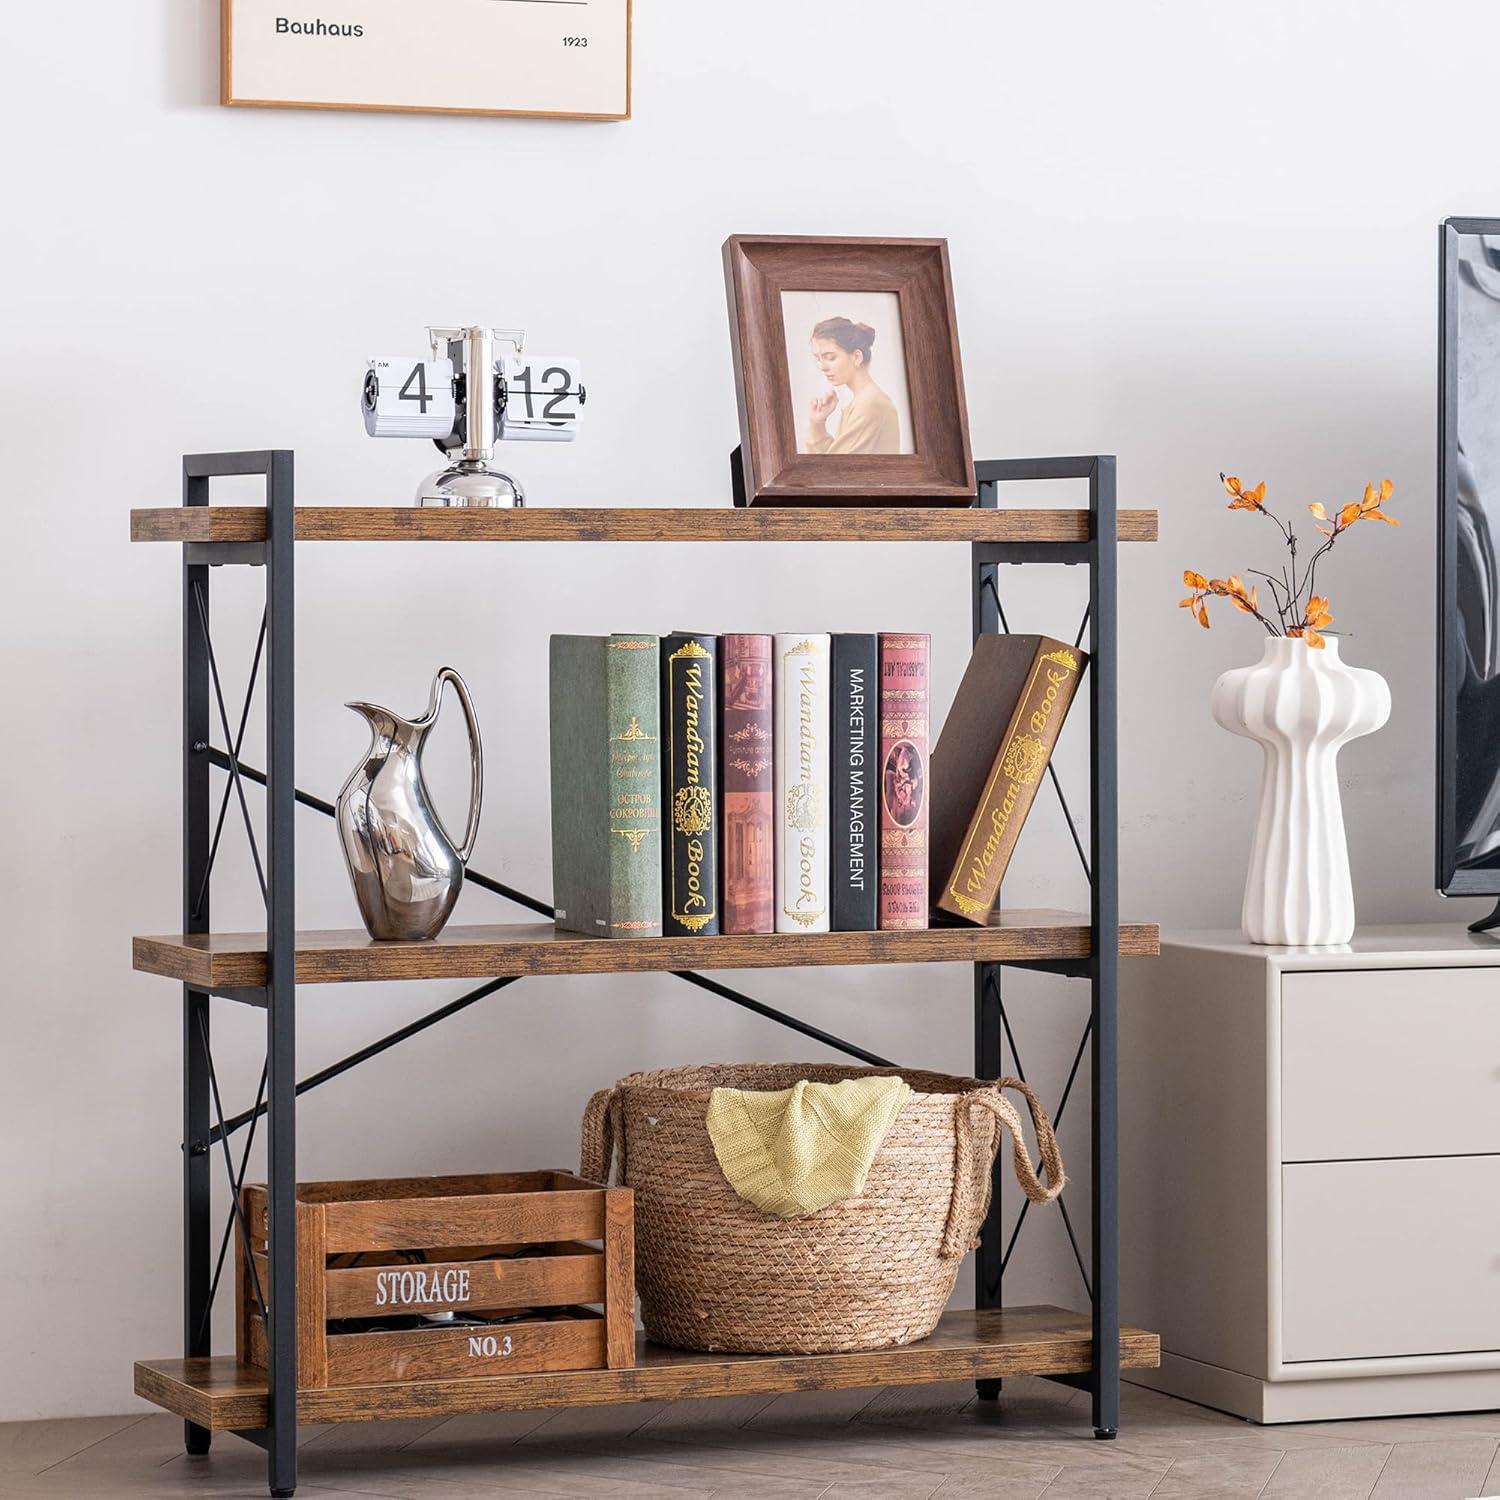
column 467, row 398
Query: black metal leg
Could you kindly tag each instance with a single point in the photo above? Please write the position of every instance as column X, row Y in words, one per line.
column 196, row 1203
column 988, row 1263
column 1104, row 964
column 281, row 1019
column 197, row 1226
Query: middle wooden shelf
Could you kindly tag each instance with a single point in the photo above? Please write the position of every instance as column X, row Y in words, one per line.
column 228, row 960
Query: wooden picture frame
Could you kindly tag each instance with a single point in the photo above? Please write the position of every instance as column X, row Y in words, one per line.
column 555, row 61
column 905, row 446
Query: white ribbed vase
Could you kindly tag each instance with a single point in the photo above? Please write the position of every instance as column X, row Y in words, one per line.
column 1301, row 705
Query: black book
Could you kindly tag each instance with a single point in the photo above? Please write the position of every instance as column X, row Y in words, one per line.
column 854, row 784
column 689, row 785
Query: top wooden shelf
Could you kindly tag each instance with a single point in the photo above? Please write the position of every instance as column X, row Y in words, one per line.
column 390, row 523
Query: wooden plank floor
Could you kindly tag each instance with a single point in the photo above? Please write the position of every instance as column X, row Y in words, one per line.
column 922, row 1442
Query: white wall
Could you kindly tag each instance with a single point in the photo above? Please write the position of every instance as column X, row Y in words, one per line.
column 1200, row 237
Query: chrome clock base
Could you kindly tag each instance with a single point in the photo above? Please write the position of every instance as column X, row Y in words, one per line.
column 471, row 482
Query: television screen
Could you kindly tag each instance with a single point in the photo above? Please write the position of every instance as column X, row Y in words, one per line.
column 1469, row 583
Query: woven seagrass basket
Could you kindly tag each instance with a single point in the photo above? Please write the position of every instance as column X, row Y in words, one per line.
column 716, row 1273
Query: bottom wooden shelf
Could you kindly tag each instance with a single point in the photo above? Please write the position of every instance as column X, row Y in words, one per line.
column 218, row 1393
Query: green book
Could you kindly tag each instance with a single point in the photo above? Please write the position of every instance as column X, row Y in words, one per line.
column 606, row 784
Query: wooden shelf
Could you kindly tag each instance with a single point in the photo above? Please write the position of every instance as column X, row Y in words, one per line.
column 219, row 1394
column 389, row 523
column 221, row 960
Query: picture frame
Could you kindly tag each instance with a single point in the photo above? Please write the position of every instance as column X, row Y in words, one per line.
column 512, row 57
column 847, row 372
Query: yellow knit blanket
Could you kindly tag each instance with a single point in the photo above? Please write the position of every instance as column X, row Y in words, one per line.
column 798, row 1150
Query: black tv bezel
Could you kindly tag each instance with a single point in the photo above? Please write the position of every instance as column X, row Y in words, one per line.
column 1451, row 881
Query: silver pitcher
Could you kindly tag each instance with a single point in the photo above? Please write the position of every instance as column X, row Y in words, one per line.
column 406, row 870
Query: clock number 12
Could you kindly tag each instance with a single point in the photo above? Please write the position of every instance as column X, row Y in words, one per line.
column 559, row 393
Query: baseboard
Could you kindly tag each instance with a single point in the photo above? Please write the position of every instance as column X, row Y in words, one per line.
column 1270, row 1402
column 1207, row 1385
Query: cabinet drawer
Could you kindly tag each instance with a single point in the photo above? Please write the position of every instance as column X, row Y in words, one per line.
column 1387, row 1258
column 1390, row 1062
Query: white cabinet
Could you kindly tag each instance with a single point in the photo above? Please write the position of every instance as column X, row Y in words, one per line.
column 1310, row 1155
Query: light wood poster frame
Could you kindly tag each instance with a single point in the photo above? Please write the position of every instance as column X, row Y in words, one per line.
column 229, row 96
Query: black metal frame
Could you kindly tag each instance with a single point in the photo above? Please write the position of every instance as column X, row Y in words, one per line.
column 201, row 682
column 205, row 1127
column 992, row 1029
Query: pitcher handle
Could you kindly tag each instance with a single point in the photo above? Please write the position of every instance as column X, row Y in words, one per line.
column 476, row 758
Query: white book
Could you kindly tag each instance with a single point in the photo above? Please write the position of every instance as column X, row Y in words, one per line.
column 802, row 746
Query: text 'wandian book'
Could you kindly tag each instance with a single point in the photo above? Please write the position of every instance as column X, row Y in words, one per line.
column 689, row 760
column 801, row 664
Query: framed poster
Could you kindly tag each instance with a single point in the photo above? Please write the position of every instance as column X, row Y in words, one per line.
column 847, row 372
column 566, row 58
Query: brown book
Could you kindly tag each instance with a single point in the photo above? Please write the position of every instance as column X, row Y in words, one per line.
column 904, row 698
column 989, row 761
column 746, row 853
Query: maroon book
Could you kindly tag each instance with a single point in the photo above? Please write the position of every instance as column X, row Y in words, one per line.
column 903, row 779
column 745, row 846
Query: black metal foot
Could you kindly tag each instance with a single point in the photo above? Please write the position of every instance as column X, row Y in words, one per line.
column 196, row 1439
column 1106, row 1434
column 1487, row 924
column 285, row 1494
column 987, row 1390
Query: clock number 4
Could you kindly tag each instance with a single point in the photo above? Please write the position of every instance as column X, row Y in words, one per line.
column 420, row 395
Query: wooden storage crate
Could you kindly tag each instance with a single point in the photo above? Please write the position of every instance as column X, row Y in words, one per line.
column 482, row 1246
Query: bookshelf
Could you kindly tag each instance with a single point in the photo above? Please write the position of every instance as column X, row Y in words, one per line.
column 268, row 969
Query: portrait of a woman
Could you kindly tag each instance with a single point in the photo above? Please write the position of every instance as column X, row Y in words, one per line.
column 868, row 422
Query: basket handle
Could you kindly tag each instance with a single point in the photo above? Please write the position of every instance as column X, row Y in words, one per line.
column 972, row 1179
column 597, row 1152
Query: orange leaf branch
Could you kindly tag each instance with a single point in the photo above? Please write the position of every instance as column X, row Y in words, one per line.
column 1299, row 610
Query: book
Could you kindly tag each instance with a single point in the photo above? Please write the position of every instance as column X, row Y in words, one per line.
column 904, row 698
column 747, row 796
column 689, row 771
column 989, row 761
column 854, row 828
column 800, row 734
column 606, row 784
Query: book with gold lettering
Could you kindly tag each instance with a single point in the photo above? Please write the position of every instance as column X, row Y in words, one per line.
column 690, row 784
column 990, row 760
column 904, row 661
column 606, row 785
column 746, row 833
column 800, row 729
